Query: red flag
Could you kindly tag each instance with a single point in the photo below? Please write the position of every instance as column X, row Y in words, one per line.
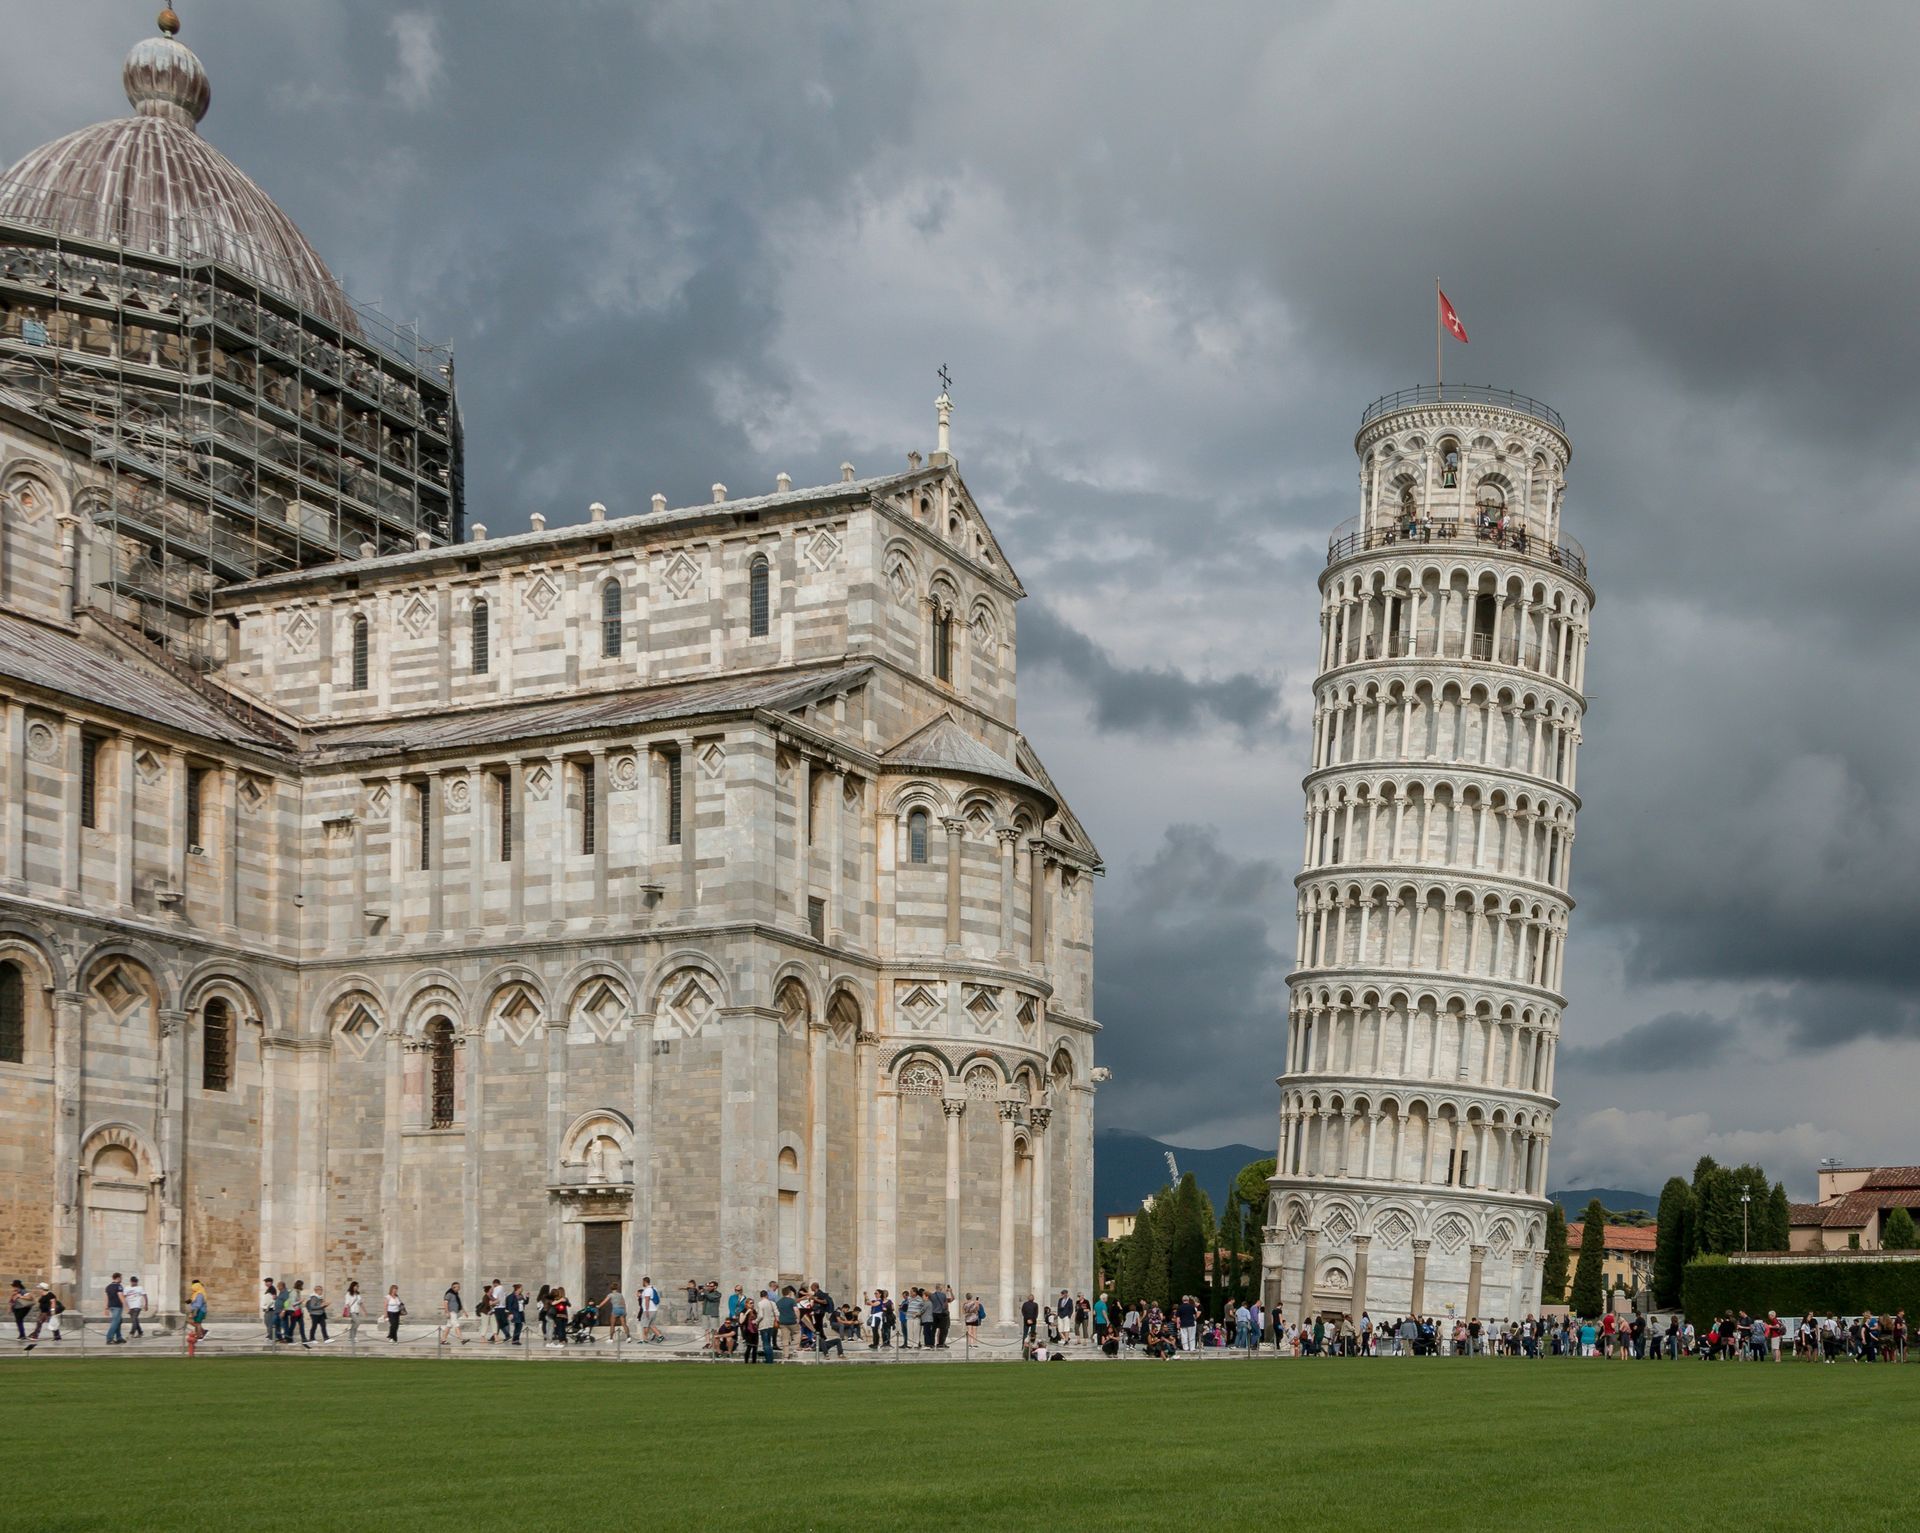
column 1450, row 319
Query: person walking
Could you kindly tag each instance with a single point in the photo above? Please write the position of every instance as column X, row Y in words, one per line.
column 1030, row 1319
column 971, row 1315
column 317, row 1317
column 559, row 1307
column 293, row 1311
column 787, row 1307
column 47, row 1322
column 1187, row 1315
column 22, row 1305
column 650, row 1312
column 270, row 1309
column 453, row 1312
column 396, row 1308
column 136, row 1298
column 614, row 1307
column 351, row 1309
column 516, row 1306
column 197, row 1313
column 502, row 1322
column 941, row 1304
column 116, row 1311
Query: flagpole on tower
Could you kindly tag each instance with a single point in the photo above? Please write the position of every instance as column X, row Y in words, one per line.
column 1438, row 377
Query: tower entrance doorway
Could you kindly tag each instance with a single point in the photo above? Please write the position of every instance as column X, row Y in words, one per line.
column 601, row 1266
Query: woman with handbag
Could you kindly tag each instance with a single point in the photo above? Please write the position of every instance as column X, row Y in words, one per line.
column 351, row 1308
column 396, row 1308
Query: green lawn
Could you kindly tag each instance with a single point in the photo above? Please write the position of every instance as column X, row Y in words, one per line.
column 1411, row 1445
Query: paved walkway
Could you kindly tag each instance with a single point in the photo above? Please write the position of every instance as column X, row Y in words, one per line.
column 684, row 1343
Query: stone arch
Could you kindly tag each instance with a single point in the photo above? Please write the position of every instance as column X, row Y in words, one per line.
column 846, row 1010
column 598, row 1147
column 688, row 995
column 35, row 951
column 139, row 954
column 437, row 992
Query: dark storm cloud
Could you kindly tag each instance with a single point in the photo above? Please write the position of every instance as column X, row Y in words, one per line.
column 1171, row 256
column 1676, row 1040
column 1146, row 699
column 1190, row 987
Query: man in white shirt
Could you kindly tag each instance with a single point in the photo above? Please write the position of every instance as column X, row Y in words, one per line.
column 136, row 1301
column 649, row 1311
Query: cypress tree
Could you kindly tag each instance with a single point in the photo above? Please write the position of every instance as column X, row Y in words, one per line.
column 1704, row 1169
column 1899, row 1234
column 1672, row 1242
column 1589, row 1295
column 1136, row 1260
column 1779, row 1219
column 1158, row 1274
column 1187, row 1252
column 1553, row 1272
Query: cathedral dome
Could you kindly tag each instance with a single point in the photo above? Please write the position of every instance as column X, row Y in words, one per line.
column 152, row 183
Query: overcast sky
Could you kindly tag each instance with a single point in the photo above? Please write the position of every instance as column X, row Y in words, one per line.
column 1170, row 253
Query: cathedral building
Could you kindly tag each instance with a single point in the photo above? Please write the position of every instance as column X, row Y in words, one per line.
column 1417, row 1100
column 669, row 894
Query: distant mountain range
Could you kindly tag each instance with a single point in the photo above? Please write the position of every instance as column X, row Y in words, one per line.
column 1128, row 1167
column 1615, row 1200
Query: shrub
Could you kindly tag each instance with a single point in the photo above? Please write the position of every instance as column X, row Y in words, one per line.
column 1797, row 1288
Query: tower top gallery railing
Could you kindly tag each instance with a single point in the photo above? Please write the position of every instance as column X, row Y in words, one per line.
column 1459, row 394
column 1353, row 537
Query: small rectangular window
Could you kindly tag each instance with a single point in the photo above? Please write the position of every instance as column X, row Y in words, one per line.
column 817, row 918
column 90, row 781
column 423, row 808
column 503, row 795
column 673, row 798
column 587, row 826
column 196, row 783
column 360, row 654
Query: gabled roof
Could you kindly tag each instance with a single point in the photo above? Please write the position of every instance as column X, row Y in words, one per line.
column 941, row 745
column 1894, row 1176
column 45, row 657
column 1074, row 832
column 580, row 715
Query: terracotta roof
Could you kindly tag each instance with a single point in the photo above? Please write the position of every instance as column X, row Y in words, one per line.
column 1619, row 1237
column 576, row 715
column 1806, row 1214
column 943, row 746
column 1894, row 1176
column 46, row 657
column 1855, row 1210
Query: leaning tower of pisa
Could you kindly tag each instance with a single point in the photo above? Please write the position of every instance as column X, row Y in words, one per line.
column 1417, row 1100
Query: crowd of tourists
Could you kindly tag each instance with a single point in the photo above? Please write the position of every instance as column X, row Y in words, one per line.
column 780, row 1321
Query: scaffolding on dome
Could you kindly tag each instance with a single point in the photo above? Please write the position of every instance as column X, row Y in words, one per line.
column 216, row 431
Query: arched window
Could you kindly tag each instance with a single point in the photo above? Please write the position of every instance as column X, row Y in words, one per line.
column 942, row 643
column 757, row 599
column 359, row 654
column 13, row 1015
column 481, row 637
column 917, row 836
column 610, row 619
column 1449, row 464
column 216, row 1046
column 440, row 1051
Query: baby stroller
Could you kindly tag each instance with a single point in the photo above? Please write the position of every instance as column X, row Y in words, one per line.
column 580, row 1329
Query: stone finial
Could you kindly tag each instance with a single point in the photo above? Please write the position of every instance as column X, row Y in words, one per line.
column 478, row 532
column 423, row 540
column 943, row 409
column 367, row 550
column 846, row 473
column 782, row 483
column 913, row 463
column 538, row 522
column 719, row 493
column 659, row 501
column 597, row 512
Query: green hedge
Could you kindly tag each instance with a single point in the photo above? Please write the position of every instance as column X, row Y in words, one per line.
column 1714, row 1285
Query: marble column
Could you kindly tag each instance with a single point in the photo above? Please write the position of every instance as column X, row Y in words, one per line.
column 954, row 1108
column 1360, row 1245
column 166, row 1291
column 1009, row 1171
column 1309, row 1261
column 1417, row 1302
column 956, row 833
column 1474, row 1268
column 818, row 1037
column 69, row 1042
column 1008, row 837
column 640, row 1152
column 1037, row 1119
